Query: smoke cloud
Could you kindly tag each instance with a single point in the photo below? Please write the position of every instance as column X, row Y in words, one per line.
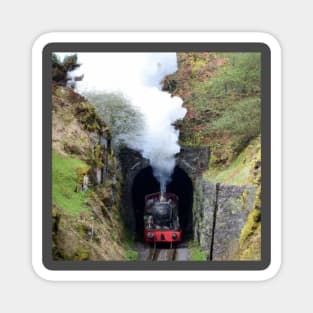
column 138, row 77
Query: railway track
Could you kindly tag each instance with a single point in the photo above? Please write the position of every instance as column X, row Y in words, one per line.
column 175, row 253
column 162, row 252
column 156, row 254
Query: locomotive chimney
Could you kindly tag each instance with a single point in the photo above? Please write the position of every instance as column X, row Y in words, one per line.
column 162, row 197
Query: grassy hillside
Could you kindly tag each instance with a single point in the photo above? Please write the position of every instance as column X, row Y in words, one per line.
column 65, row 179
column 87, row 222
column 243, row 170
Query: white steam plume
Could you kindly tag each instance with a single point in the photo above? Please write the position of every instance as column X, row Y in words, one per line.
column 138, row 76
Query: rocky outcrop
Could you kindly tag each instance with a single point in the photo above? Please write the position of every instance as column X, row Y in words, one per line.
column 220, row 213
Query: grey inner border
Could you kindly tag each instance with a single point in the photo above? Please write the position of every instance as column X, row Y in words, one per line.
column 49, row 263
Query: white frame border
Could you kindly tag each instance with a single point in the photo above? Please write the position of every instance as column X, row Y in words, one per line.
column 105, row 275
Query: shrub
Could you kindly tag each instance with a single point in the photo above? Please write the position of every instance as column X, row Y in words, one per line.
column 60, row 69
column 124, row 120
column 227, row 106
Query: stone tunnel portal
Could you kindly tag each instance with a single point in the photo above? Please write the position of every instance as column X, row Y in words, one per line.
column 145, row 183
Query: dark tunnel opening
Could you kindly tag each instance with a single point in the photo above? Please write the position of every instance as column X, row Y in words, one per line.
column 181, row 185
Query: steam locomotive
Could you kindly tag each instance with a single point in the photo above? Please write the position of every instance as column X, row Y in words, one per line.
column 161, row 222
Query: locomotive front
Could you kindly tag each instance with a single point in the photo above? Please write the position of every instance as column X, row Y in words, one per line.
column 161, row 218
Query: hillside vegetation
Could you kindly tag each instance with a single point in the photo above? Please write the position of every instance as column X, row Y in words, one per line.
column 86, row 184
column 222, row 92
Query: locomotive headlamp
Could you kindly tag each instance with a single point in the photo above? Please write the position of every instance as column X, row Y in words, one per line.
column 150, row 235
column 174, row 236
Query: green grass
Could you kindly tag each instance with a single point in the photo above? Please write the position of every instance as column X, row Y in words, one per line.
column 64, row 182
column 130, row 253
column 195, row 252
column 239, row 171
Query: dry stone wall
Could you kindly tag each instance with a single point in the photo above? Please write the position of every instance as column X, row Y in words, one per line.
column 234, row 204
column 220, row 212
column 203, row 214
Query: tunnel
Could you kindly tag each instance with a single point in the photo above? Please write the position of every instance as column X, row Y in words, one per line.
column 145, row 183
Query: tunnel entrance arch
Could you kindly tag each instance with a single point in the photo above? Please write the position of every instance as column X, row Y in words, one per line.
column 145, row 183
column 191, row 162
